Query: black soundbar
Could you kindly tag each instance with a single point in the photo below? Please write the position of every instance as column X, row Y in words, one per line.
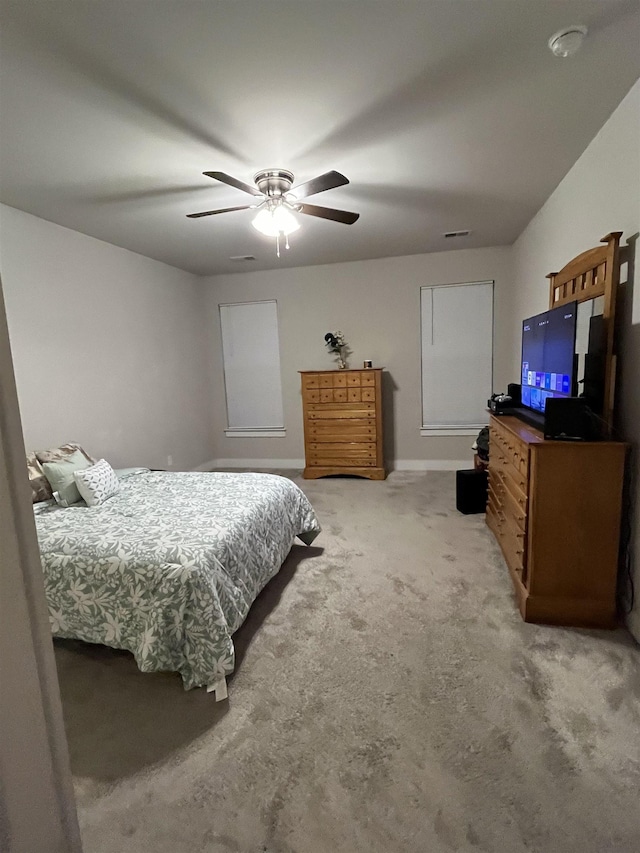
column 564, row 419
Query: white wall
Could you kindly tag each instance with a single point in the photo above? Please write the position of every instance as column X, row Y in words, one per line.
column 108, row 346
column 377, row 305
column 600, row 194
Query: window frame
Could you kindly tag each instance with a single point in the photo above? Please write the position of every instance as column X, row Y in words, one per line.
column 272, row 431
column 470, row 429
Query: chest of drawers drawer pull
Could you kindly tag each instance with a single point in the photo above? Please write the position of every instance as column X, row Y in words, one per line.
column 341, row 407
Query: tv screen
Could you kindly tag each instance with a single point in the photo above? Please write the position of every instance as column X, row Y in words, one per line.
column 548, row 347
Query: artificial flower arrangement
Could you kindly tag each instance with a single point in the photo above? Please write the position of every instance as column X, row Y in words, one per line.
column 336, row 343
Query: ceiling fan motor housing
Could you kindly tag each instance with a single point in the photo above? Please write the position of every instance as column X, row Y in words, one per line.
column 274, row 182
column 276, row 195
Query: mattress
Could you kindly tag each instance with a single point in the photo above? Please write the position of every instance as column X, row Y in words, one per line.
column 169, row 566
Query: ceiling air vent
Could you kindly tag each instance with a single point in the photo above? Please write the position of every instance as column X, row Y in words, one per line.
column 464, row 233
column 242, row 258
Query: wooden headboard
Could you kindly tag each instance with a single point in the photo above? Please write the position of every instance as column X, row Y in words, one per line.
column 591, row 274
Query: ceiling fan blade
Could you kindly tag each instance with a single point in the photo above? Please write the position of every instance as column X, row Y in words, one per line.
column 222, row 210
column 343, row 216
column 233, row 182
column 328, row 181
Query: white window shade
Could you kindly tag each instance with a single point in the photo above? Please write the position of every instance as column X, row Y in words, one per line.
column 251, row 353
column 457, row 355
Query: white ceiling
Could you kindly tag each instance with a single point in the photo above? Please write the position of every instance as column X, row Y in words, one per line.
column 444, row 115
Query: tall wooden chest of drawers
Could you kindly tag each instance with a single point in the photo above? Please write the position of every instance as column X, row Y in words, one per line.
column 555, row 509
column 342, row 412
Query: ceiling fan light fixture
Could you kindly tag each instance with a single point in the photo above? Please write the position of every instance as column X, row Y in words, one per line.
column 274, row 217
column 567, row 41
column 275, row 221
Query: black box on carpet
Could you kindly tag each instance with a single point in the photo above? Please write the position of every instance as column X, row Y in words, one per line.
column 471, row 491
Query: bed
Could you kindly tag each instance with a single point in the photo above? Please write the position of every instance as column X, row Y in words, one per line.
column 169, row 566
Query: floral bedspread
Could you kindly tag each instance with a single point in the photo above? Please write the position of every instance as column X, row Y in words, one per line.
column 169, row 567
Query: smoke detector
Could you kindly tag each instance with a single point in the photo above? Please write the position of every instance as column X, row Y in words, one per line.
column 568, row 41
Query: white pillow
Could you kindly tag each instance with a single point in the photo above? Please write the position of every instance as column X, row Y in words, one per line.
column 97, row 483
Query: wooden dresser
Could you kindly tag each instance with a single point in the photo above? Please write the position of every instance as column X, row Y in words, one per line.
column 555, row 509
column 343, row 423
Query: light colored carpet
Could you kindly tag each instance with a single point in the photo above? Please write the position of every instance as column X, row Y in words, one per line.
column 387, row 698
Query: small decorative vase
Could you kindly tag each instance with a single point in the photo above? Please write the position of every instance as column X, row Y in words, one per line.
column 342, row 364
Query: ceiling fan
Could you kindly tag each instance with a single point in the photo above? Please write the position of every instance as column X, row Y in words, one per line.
column 278, row 201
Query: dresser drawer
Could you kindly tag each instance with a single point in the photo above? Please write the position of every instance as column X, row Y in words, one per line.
column 340, row 411
column 517, row 485
column 512, row 509
column 310, row 380
column 513, row 548
column 498, row 441
column 354, row 395
column 510, row 539
column 350, row 425
column 353, row 378
column 343, row 407
column 354, row 429
column 330, row 395
column 514, row 479
column 497, row 446
column 492, row 519
column 341, row 415
column 340, row 461
column 495, row 481
column 350, row 450
column 520, row 457
column 494, row 502
column 517, row 482
column 340, row 437
column 512, row 449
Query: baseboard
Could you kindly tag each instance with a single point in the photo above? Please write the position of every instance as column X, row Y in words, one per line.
column 430, row 464
column 212, row 464
column 205, row 466
column 398, row 465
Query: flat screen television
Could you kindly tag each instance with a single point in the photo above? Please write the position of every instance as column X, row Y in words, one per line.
column 548, row 356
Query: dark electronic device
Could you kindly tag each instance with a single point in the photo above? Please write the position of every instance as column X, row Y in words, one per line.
column 513, row 391
column 569, row 419
column 471, row 491
column 548, row 357
column 500, row 403
column 591, row 386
